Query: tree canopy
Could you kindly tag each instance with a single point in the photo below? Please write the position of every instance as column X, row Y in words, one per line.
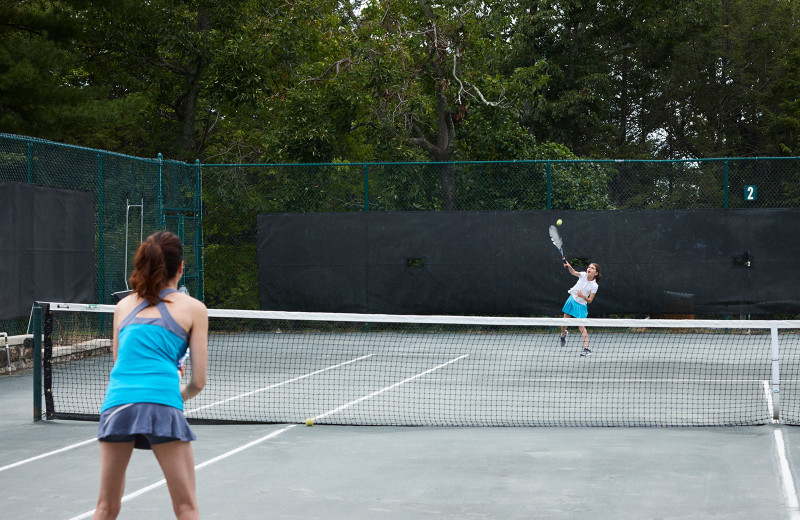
column 353, row 80
column 348, row 81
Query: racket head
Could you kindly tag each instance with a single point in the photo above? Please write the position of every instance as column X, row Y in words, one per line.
column 555, row 237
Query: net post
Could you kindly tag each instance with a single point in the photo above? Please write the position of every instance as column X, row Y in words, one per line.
column 776, row 380
column 37, row 362
column 47, row 362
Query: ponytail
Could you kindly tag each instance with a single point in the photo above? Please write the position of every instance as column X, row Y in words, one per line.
column 597, row 276
column 157, row 262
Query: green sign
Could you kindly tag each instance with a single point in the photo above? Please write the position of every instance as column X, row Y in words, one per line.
column 750, row 192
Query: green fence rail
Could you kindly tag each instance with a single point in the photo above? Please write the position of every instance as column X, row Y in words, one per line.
column 213, row 207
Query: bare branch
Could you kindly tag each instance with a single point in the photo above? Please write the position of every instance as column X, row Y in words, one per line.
column 334, row 65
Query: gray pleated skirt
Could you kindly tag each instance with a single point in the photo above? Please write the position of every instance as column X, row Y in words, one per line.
column 145, row 424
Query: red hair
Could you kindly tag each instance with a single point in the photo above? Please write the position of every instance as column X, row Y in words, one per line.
column 157, row 262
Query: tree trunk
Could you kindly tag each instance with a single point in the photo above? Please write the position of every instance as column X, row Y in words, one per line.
column 444, row 150
column 447, row 180
column 186, row 105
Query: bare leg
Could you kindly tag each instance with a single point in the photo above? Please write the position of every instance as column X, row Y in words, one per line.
column 114, row 459
column 585, row 336
column 176, row 459
column 564, row 328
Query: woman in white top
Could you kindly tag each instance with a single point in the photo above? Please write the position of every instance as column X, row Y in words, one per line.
column 581, row 295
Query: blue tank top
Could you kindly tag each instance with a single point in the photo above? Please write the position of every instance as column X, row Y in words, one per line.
column 147, row 359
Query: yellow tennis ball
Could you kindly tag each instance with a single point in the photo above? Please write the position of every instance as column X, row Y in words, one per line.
column 559, row 222
column 309, row 422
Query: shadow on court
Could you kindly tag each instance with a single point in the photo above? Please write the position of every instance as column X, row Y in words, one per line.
column 335, row 472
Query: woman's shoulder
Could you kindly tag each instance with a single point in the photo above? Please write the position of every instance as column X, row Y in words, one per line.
column 190, row 303
column 127, row 304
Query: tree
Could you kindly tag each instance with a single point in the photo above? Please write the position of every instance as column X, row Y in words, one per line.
column 429, row 67
column 160, row 53
column 44, row 90
column 719, row 86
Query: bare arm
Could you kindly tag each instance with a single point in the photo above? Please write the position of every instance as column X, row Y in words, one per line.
column 572, row 271
column 121, row 311
column 198, row 345
column 115, row 334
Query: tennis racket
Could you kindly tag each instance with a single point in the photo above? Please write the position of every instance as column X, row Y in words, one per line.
column 182, row 361
column 556, row 238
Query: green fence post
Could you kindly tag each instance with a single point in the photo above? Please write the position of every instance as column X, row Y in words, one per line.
column 725, row 180
column 198, row 235
column 366, row 188
column 37, row 362
column 161, row 220
column 101, row 268
column 30, row 162
column 549, row 187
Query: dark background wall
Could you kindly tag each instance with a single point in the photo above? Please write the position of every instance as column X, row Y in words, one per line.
column 46, row 247
column 465, row 262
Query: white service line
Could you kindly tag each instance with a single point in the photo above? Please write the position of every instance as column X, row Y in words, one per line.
column 246, row 394
column 154, row 485
column 43, row 455
column 373, row 394
column 94, row 439
column 789, row 490
column 227, row 454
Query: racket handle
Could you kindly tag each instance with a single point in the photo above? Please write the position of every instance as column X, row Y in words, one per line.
column 182, row 361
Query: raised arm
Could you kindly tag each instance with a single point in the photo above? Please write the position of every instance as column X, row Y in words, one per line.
column 572, row 271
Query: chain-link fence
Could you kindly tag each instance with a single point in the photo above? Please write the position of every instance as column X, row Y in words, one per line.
column 235, row 194
column 221, row 240
column 133, row 198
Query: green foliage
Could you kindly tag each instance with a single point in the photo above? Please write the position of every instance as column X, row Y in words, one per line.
column 231, row 281
column 249, row 81
column 44, row 89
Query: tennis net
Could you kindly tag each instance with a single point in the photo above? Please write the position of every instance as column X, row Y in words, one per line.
column 357, row 369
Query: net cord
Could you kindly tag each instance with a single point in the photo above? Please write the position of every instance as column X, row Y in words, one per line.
column 465, row 320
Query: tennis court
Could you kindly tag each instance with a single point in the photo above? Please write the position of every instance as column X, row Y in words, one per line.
column 365, row 386
column 342, row 472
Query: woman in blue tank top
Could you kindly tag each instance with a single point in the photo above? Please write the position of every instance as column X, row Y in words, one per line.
column 143, row 408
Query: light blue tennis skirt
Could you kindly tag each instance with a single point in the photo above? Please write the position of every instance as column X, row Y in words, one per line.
column 145, row 424
column 575, row 309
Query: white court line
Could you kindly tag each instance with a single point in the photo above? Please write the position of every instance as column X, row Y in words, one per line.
column 43, row 455
column 373, row 394
column 246, row 394
column 197, row 467
column 94, row 439
column 789, row 491
column 227, row 454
